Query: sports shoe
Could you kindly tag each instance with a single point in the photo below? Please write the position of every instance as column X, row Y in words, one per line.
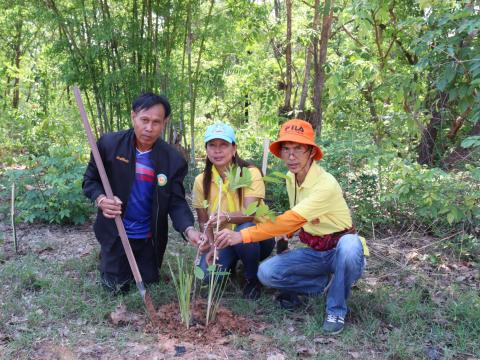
column 333, row 324
column 252, row 289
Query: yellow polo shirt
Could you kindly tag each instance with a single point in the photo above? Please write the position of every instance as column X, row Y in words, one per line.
column 317, row 205
column 256, row 189
column 320, row 201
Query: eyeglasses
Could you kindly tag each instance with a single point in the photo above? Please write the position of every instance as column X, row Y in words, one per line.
column 298, row 151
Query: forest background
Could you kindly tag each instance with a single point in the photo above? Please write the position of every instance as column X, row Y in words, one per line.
column 391, row 87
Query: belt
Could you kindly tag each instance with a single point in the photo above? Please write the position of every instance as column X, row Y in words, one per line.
column 324, row 242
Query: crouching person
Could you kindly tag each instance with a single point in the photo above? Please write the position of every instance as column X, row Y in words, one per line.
column 334, row 249
column 221, row 148
column 146, row 175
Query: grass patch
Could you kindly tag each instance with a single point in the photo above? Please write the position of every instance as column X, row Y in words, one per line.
column 58, row 300
column 52, row 300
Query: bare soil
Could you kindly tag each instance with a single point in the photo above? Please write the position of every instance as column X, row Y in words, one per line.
column 225, row 324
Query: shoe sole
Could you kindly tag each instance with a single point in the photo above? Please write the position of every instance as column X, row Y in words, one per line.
column 333, row 332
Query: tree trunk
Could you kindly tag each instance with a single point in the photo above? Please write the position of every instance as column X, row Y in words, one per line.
column 367, row 94
column 288, row 59
column 18, row 55
column 190, row 81
column 426, row 149
column 320, row 58
column 182, row 82
column 308, row 59
column 194, row 81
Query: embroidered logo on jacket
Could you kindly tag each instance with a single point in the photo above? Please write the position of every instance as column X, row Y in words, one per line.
column 121, row 158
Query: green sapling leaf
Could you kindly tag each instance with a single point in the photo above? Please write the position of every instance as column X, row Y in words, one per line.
column 262, row 210
column 237, row 181
column 272, row 179
column 279, row 174
column 198, row 272
column 221, row 273
column 211, row 267
column 251, row 209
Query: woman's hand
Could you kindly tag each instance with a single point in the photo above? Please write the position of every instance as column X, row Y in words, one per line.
column 209, row 257
column 227, row 237
column 223, row 219
column 204, row 246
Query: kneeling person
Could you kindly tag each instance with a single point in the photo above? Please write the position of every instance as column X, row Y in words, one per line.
column 222, row 154
column 320, row 212
column 146, row 175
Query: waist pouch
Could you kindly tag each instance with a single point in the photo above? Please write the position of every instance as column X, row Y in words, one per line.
column 324, row 242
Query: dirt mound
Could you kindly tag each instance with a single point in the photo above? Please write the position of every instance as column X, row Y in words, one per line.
column 226, row 323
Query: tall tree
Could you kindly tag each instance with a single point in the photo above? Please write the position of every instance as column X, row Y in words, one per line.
column 288, row 59
column 320, row 58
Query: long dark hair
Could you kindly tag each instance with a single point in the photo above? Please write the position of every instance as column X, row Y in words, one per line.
column 207, row 175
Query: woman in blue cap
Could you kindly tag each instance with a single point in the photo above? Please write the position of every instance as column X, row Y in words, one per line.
column 221, row 155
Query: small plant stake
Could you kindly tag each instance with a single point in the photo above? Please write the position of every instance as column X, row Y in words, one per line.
column 266, row 142
column 12, row 215
column 218, row 278
column 213, row 266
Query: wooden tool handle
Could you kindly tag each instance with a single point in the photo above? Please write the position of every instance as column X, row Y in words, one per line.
column 108, row 191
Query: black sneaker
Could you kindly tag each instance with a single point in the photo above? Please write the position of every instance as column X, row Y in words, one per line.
column 289, row 301
column 252, row 290
column 282, row 246
column 333, row 324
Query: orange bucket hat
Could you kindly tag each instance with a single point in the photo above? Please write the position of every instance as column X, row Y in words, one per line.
column 298, row 131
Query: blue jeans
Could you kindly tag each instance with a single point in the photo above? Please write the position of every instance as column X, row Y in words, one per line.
column 306, row 271
column 250, row 254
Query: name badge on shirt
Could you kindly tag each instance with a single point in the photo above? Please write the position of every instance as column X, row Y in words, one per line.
column 162, row 179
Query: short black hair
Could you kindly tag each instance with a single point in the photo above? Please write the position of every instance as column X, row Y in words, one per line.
column 146, row 100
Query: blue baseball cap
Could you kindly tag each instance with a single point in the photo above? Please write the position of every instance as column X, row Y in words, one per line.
column 220, row 131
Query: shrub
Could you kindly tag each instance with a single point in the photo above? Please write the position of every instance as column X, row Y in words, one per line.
column 49, row 187
column 386, row 189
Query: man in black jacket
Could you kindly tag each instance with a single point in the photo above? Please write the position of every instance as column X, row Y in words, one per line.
column 146, row 175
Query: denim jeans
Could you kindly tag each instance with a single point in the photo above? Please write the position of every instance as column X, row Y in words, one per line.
column 250, row 254
column 306, row 271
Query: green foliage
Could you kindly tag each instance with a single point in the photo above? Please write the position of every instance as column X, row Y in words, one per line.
column 49, row 187
column 251, row 209
column 183, row 286
column 216, row 287
column 276, row 194
column 198, row 272
column 386, row 190
column 237, row 178
column 448, row 50
column 432, row 196
column 243, row 179
column 471, row 141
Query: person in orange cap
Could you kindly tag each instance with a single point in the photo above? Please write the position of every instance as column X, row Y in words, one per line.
column 320, row 213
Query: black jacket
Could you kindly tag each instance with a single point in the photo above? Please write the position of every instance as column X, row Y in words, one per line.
column 118, row 154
